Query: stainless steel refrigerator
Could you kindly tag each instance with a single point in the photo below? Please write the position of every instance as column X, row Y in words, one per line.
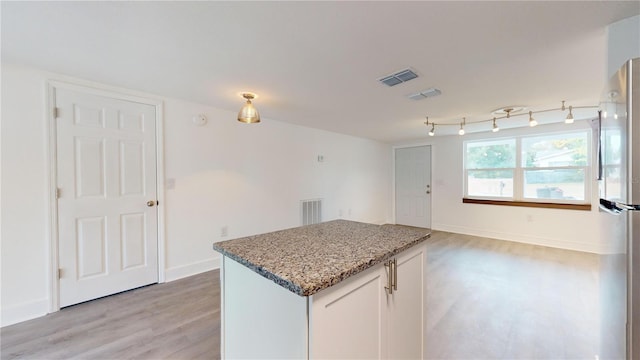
column 619, row 173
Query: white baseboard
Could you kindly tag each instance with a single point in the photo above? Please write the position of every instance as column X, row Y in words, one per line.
column 533, row 240
column 23, row 312
column 182, row 271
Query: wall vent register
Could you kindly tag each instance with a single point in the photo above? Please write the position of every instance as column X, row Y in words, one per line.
column 311, row 211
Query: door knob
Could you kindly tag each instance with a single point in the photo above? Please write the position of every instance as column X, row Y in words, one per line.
column 150, row 203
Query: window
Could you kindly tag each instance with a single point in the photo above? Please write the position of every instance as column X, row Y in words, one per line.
column 490, row 168
column 552, row 168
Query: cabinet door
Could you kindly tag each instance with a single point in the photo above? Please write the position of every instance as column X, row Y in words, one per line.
column 405, row 331
column 348, row 320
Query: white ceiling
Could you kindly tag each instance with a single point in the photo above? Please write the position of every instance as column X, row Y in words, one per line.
column 317, row 63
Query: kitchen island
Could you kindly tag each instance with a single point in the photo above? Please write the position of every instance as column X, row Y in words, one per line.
column 339, row 289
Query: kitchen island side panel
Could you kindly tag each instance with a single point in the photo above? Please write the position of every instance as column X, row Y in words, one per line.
column 259, row 318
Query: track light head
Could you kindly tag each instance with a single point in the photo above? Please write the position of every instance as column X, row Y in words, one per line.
column 569, row 119
column 532, row 121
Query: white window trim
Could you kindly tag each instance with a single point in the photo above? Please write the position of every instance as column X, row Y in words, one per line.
column 518, row 171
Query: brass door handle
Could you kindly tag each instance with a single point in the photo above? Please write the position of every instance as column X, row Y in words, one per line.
column 151, row 203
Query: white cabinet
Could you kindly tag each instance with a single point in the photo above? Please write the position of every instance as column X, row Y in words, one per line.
column 406, row 324
column 356, row 318
column 349, row 320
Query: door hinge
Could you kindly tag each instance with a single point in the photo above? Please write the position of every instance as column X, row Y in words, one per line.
column 59, row 273
column 56, row 112
column 58, row 192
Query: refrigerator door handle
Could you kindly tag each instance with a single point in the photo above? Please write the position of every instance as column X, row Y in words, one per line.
column 629, row 207
column 617, row 207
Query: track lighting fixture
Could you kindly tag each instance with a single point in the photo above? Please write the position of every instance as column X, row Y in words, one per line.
column 532, row 121
column 569, row 119
column 508, row 113
column 433, row 127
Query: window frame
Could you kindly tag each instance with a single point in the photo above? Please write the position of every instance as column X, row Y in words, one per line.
column 518, row 198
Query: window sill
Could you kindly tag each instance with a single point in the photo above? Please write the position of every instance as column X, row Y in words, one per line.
column 584, row 207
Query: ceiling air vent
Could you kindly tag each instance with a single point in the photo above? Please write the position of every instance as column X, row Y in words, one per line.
column 430, row 92
column 399, row 77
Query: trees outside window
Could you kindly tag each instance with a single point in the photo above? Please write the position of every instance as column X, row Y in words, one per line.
column 549, row 168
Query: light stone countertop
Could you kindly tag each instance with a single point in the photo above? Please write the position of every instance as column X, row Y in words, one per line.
column 310, row 258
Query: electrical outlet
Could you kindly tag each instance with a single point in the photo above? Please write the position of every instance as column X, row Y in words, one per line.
column 224, row 231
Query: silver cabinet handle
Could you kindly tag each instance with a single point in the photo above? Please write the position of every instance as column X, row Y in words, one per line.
column 395, row 274
column 392, row 278
column 388, row 265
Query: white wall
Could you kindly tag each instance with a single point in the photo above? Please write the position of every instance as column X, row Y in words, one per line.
column 569, row 229
column 251, row 178
column 24, row 237
column 623, row 43
column 247, row 177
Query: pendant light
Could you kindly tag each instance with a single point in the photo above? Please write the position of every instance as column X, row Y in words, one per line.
column 433, row 130
column 249, row 114
column 461, row 131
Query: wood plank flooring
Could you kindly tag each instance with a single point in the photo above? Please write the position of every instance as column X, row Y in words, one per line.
column 491, row 299
column 487, row 299
column 176, row 320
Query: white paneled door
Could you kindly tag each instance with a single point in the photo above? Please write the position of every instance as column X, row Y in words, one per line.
column 106, row 178
column 413, row 186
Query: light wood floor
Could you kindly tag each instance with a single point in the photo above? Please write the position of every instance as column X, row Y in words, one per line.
column 491, row 299
column 487, row 299
column 176, row 320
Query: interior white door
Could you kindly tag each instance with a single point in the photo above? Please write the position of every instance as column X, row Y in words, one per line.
column 413, row 186
column 107, row 213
